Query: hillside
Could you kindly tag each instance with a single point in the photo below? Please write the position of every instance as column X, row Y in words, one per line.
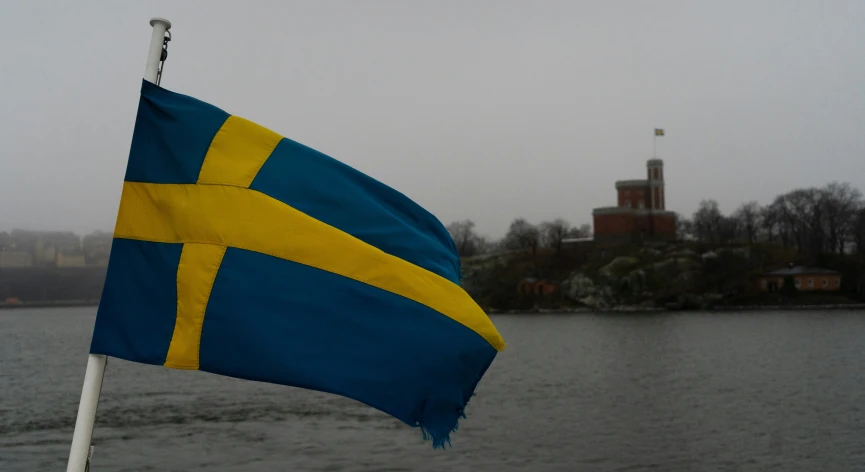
column 654, row 275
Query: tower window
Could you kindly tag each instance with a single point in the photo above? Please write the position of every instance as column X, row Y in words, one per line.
column 642, row 204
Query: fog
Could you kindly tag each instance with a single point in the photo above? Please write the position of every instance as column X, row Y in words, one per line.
column 487, row 110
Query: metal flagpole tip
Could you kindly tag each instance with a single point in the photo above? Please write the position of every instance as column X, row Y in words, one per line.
column 157, row 19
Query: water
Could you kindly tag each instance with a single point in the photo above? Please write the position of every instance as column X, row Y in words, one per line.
column 690, row 392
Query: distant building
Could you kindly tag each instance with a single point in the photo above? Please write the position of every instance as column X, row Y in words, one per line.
column 15, row 259
column 640, row 212
column 97, row 248
column 62, row 260
column 99, row 260
column 805, row 279
column 533, row 286
column 44, row 255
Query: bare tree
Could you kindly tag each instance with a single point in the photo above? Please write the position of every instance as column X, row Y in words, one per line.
column 769, row 220
column 813, row 220
column 708, row 221
column 553, row 232
column 523, row 235
column 684, row 228
column 728, row 228
column 747, row 220
column 784, row 222
column 584, row 231
column 467, row 242
column 858, row 232
column 808, row 208
column 486, row 246
column 840, row 203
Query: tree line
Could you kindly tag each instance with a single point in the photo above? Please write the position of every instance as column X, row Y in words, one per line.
column 521, row 235
column 830, row 219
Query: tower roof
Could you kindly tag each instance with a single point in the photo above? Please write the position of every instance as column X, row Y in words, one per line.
column 655, row 162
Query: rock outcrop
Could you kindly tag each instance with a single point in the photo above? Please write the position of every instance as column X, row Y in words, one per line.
column 663, row 276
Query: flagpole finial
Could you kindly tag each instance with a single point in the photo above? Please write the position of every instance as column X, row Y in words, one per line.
column 156, row 52
column 156, row 19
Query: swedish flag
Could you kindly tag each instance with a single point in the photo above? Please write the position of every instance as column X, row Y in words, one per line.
column 659, row 132
column 243, row 253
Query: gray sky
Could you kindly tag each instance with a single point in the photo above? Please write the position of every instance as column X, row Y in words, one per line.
column 486, row 110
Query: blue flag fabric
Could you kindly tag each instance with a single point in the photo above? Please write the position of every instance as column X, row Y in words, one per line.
column 242, row 253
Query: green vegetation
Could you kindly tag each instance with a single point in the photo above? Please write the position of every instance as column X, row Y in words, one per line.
column 717, row 260
column 655, row 275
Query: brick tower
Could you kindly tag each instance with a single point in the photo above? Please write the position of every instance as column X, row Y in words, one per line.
column 641, row 210
column 655, row 168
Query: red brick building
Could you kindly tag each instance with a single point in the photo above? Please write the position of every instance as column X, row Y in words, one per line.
column 531, row 285
column 640, row 212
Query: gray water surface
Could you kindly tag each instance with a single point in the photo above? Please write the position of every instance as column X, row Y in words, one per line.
column 689, row 392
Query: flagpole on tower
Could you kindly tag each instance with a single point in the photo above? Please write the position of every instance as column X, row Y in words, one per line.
column 81, row 450
column 658, row 132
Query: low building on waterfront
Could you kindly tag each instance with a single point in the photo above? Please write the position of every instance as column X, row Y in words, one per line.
column 533, row 286
column 15, row 259
column 805, row 279
column 63, row 260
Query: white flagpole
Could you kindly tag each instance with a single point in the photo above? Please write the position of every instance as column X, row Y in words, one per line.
column 655, row 143
column 160, row 26
column 80, row 451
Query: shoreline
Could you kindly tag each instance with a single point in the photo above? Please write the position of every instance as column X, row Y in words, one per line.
column 49, row 304
column 538, row 311
column 640, row 310
column 834, row 306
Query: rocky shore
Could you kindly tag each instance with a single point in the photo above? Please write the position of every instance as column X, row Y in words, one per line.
column 649, row 278
column 636, row 309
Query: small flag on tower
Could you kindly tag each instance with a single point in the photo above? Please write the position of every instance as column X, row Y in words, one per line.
column 659, row 132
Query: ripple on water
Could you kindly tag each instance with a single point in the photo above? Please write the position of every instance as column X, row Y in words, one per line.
column 764, row 391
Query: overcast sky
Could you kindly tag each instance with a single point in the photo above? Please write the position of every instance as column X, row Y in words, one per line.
column 487, row 110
